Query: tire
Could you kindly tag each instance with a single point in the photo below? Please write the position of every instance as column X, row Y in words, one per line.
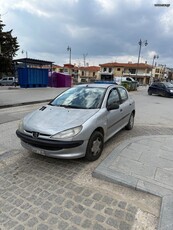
column 130, row 124
column 95, row 146
column 149, row 92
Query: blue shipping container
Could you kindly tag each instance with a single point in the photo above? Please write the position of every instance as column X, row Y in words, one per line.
column 32, row 77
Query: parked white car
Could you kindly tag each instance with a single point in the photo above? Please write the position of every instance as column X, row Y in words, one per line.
column 8, row 81
column 118, row 80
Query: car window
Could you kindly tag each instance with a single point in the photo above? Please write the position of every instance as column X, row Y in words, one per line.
column 4, row 79
column 10, row 79
column 113, row 97
column 168, row 84
column 161, row 85
column 154, row 84
column 129, row 79
column 123, row 94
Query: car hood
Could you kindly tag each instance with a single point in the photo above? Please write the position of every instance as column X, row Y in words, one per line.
column 52, row 119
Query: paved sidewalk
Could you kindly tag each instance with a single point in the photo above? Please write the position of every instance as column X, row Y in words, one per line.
column 15, row 96
column 145, row 164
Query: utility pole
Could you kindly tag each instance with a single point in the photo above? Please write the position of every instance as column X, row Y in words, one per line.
column 69, row 49
column 141, row 43
column 84, row 58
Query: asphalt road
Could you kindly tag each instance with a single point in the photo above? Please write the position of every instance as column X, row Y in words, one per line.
column 43, row 193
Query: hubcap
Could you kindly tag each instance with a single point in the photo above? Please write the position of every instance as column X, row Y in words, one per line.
column 96, row 147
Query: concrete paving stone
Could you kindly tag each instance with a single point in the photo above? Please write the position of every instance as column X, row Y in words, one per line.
column 88, row 202
column 165, row 222
column 99, row 227
column 167, row 154
column 10, row 224
column 164, row 176
column 153, row 188
column 113, row 222
column 100, row 218
column 109, row 175
column 124, row 226
column 19, row 227
column 43, row 215
column 130, row 167
column 133, row 154
column 63, row 225
column 98, row 206
column 89, row 213
column 42, row 227
column 119, row 213
column 150, row 184
column 154, row 160
column 76, row 219
column 86, row 224
column 129, row 217
column 32, row 222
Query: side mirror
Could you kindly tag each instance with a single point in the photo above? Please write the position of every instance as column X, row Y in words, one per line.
column 113, row 106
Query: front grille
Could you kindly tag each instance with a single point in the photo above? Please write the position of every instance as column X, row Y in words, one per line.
column 40, row 134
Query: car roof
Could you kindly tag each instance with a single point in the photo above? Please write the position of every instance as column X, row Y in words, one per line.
column 97, row 85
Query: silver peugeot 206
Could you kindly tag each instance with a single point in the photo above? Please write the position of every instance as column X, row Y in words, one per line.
column 78, row 122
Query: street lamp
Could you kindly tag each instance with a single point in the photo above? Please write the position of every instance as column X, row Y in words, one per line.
column 26, row 53
column 69, row 49
column 141, row 43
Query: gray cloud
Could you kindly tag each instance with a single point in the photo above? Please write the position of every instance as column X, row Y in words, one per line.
column 105, row 29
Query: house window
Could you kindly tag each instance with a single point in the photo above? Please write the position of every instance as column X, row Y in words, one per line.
column 104, row 69
column 118, row 69
column 94, row 74
column 82, row 73
column 110, row 70
column 132, row 71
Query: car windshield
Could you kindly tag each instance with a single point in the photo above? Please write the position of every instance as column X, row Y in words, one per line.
column 81, row 97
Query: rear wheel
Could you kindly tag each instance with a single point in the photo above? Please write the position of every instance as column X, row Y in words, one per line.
column 95, row 146
column 130, row 124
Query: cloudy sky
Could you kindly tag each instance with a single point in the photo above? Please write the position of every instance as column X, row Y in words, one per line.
column 97, row 31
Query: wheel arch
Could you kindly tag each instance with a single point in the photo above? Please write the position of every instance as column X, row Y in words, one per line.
column 99, row 129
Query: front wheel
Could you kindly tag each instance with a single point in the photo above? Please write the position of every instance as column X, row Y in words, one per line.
column 130, row 124
column 95, row 146
column 149, row 92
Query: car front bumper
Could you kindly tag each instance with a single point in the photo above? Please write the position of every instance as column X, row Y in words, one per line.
column 53, row 148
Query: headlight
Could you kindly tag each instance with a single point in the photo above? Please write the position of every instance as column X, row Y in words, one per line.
column 67, row 133
column 20, row 126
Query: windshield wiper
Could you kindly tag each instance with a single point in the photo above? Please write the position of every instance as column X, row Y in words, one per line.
column 71, row 106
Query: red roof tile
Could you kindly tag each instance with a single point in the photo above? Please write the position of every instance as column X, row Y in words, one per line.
column 129, row 65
